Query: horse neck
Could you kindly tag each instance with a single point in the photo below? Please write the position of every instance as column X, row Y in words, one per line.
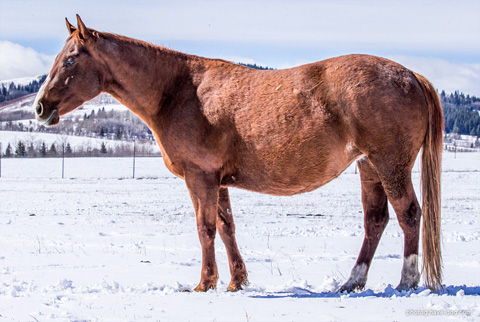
column 141, row 75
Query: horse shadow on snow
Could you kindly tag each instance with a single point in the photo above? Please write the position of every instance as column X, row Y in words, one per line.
column 299, row 292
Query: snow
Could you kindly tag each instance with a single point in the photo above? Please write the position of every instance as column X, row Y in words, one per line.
column 100, row 246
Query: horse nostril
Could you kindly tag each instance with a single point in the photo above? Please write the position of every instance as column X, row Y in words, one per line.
column 39, row 109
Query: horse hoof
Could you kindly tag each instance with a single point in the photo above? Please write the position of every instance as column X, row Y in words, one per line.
column 344, row 288
column 237, row 284
column 404, row 287
column 350, row 287
column 234, row 287
column 203, row 287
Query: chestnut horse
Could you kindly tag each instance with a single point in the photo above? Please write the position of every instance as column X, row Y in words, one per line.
column 279, row 132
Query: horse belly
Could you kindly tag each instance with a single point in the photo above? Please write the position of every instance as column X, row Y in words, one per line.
column 281, row 185
column 292, row 174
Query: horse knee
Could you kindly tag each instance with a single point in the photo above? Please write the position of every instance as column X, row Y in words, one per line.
column 380, row 222
column 412, row 214
column 409, row 219
column 206, row 232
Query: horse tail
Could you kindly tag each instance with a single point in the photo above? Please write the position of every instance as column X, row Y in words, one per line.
column 431, row 199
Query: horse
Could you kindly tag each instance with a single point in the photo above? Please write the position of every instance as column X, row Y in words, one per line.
column 280, row 132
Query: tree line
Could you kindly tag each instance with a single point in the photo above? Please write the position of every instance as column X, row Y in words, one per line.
column 40, row 149
column 11, row 91
column 461, row 113
column 21, row 150
column 255, row 66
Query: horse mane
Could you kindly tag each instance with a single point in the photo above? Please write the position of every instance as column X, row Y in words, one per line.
column 137, row 43
column 143, row 44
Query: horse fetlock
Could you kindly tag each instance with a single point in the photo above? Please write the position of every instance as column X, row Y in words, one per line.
column 207, row 284
column 410, row 273
column 239, row 279
column 236, row 284
column 357, row 279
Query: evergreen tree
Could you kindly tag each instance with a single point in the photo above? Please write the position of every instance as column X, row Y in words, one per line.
column 118, row 134
column 20, row 151
column 31, row 151
column 103, row 148
column 53, row 150
column 455, row 128
column 8, row 151
column 43, row 150
column 68, row 149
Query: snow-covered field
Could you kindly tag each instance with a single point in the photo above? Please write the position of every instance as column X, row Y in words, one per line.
column 99, row 246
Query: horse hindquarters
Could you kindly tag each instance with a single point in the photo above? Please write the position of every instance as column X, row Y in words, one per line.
column 403, row 199
column 393, row 161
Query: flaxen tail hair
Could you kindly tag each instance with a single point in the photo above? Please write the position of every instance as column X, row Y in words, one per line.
column 431, row 199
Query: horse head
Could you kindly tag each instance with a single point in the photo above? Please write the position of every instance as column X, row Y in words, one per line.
column 75, row 77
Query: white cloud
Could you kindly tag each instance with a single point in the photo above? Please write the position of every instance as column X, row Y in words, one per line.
column 18, row 61
column 445, row 75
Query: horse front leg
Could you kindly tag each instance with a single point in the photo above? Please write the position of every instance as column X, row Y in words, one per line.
column 226, row 230
column 204, row 189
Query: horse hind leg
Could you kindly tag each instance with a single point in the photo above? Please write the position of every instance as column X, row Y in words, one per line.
column 226, row 230
column 401, row 195
column 375, row 209
column 408, row 212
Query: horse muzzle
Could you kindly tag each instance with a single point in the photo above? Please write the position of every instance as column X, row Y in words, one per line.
column 52, row 118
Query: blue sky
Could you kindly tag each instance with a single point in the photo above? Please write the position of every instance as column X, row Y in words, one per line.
column 440, row 39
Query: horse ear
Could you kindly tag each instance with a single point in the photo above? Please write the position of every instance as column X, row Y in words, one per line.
column 70, row 28
column 84, row 34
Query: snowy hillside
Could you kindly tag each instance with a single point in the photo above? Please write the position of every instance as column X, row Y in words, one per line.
column 99, row 247
column 20, row 81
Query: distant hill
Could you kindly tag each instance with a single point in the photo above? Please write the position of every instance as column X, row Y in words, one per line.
column 461, row 113
column 15, row 88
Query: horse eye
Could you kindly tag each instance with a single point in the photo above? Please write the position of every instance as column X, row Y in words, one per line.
column 69, row 62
